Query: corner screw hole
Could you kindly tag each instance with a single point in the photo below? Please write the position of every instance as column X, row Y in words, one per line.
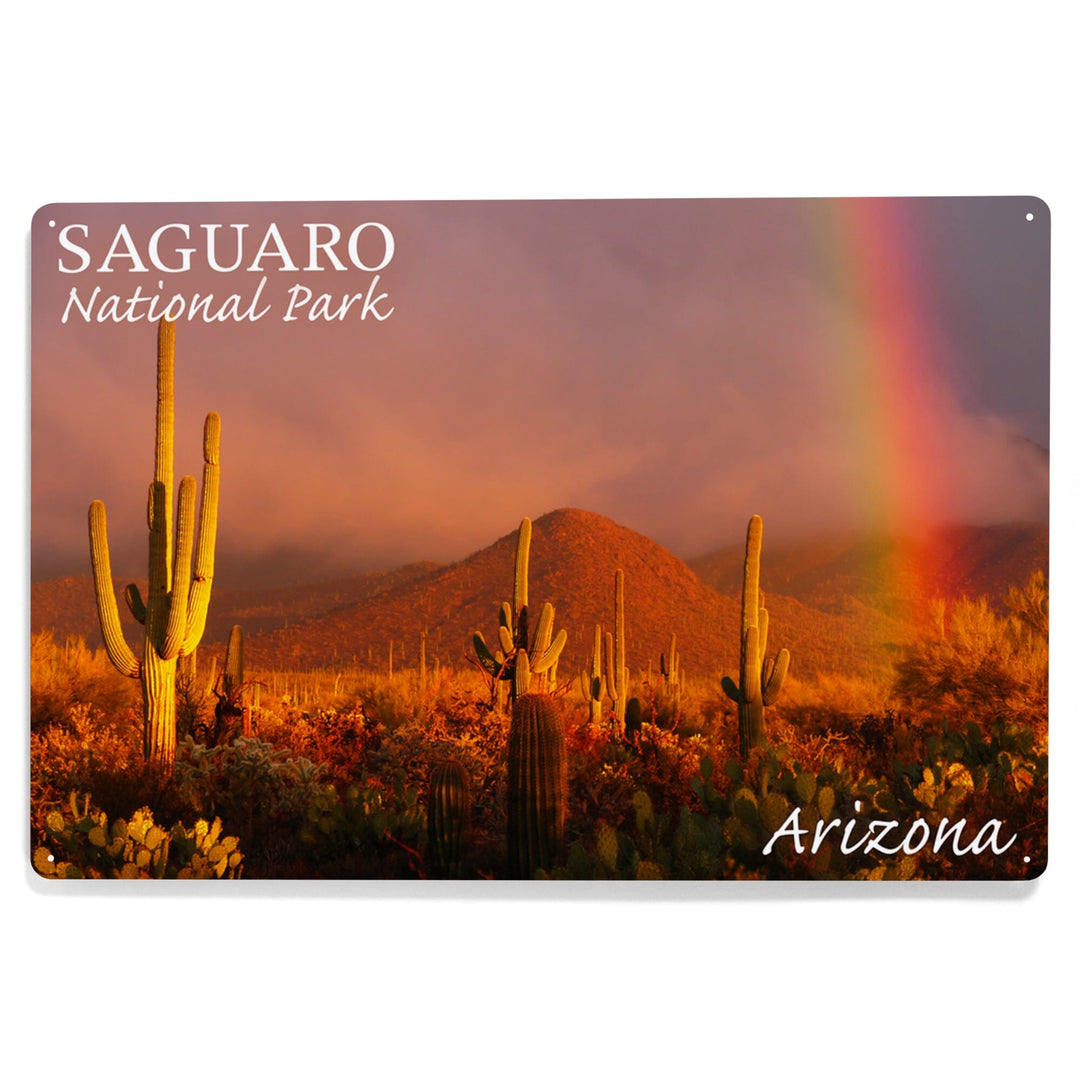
column 1030, row 216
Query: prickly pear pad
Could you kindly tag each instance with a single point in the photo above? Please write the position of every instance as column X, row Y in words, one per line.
column 751, row 494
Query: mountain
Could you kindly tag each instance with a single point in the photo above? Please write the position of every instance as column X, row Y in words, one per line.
column 890, row 574
column 573, row 559
column 67, row 606
column 840, row 605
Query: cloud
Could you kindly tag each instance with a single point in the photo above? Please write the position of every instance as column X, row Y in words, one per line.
column 674, row 366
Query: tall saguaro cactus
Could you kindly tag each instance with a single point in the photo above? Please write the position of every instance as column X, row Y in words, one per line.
column 178, row 593
column 617, row 674
column 522, row 655
column 760, row 681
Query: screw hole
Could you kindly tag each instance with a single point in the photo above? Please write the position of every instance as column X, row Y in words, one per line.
column 1030, row 216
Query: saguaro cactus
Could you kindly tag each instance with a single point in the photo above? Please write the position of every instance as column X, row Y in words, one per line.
column 448, row 817
column 669, row 666
column 617, row 674
column 233, row 678
column 760, row 681
column 178, row 594
column 540, row 651
column 537, row 787
column 592, row 684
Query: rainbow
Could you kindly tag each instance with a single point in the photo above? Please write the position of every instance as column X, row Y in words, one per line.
column 889, row 370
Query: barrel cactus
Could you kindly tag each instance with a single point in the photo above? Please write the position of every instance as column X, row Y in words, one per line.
column 537, row 786
column 448, row 817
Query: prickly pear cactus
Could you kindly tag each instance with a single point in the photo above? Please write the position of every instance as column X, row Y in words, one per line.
column 607, row 847
column 83, row 843
column 448, row 817
column 536, row 787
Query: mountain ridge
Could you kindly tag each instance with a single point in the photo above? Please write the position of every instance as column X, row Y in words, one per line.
column 829, row 599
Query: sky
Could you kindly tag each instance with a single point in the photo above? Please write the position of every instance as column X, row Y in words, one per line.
column 833, row 365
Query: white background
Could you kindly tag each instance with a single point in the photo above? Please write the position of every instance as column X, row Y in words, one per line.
column 201, row 101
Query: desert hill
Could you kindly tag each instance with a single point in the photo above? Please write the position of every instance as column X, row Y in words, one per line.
column 839, row 605
column 889, row 574
column 573, row 561
column 66, row 605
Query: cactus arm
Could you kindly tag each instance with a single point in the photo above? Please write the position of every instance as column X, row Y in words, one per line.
column 542, row 635
column 731, row 689
column 135, row 604
column 176, row 627
column 550, row 657
column 775, row 683
column 483, row 654
column 203, row 576
column 163, row 440
column 119, row 652
column 609, row 668
column 522, row 675
column 506, row 640
column 763, row 629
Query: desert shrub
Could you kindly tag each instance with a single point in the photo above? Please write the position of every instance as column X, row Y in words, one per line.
column 831, row 701
column 981, row 665
column 84, row 753
column 725, row 829
column 71, row 674
column 194, row 701
column 1003, row 772
column 392, row 701
column 81, row 842
column 1031, row 605
column 462, row 726
column 339, row 741
column 256, row 789
column 370, row 831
